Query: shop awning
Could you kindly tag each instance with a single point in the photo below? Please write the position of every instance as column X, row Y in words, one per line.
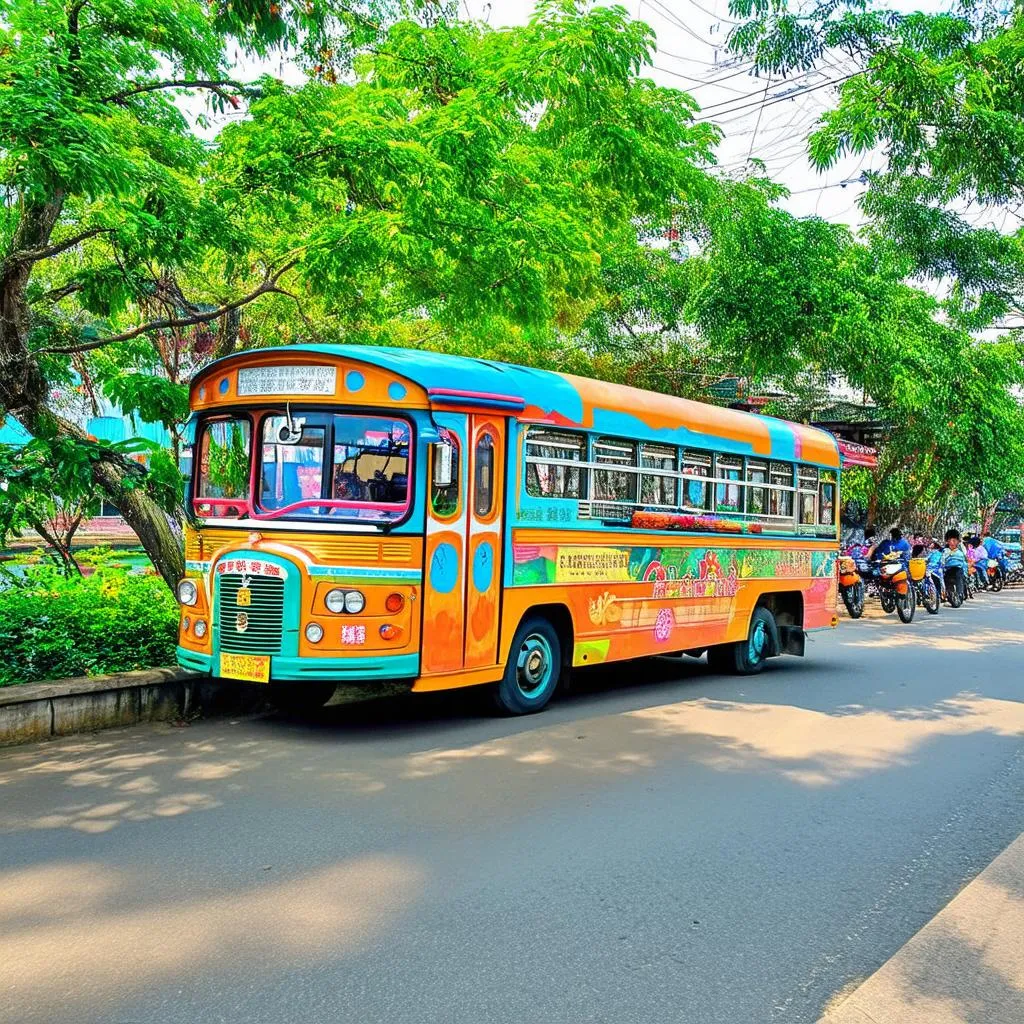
column 853, row 454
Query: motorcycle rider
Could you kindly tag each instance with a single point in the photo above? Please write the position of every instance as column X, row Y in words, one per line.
column 995, row 550
column 978, row 557
column 896, row 543
column 954, row 563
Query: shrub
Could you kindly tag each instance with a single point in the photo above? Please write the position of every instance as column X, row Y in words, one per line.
column 52, row 626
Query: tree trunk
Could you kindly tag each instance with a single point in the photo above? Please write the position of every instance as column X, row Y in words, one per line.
column 24, row 393
column 146, row 518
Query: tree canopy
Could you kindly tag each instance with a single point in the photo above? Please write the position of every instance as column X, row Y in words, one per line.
column 525, row 193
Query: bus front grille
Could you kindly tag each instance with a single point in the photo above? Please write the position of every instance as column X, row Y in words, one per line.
column 253, row 628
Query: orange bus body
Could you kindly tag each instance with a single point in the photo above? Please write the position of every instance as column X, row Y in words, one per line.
column 634, row 523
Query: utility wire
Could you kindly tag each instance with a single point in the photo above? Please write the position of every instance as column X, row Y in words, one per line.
column 783, row 99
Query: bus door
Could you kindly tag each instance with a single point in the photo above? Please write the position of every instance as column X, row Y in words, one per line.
column 462, row 560
column 484, row 539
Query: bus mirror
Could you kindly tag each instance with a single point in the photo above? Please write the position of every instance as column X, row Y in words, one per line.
column 443, row 464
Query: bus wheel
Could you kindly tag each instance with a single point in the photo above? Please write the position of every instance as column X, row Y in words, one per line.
column 299, row 697
column 747, row 657
column 532, row 671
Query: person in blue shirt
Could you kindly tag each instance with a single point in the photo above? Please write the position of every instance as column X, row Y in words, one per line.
column 995, row 550
column 955, row 566
column 896, row 543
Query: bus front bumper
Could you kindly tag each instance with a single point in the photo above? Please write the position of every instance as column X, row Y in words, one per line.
column 340, row 670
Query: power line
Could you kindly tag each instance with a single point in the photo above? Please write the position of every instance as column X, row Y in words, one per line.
column 700, row 83
column 782, row 99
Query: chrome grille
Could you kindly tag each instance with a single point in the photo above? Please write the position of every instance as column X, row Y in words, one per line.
column 264, row 614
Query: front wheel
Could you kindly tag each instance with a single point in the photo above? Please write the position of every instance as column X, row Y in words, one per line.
column 532, row 670
column 930, row 596
column 996, row 583
column 853, row 598
column 906, row 603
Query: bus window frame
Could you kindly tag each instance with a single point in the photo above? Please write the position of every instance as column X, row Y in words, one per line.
column 256, row 416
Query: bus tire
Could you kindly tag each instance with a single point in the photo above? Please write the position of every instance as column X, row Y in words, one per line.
column 748, row 657
column 532, row 670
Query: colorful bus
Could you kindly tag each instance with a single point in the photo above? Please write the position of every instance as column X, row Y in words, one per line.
column 377, row 515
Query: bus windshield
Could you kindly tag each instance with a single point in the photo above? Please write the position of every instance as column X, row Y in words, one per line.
column 345, row 467
column 312, row 465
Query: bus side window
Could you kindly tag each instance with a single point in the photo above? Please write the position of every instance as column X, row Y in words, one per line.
column 695, row 493
column 780, row 497
column 444, row 499
column 727, row 495
column 550, row 463
column 757, row 473
column 807, row 484
column 483, row 475
column 827, row 499
column 655, row 488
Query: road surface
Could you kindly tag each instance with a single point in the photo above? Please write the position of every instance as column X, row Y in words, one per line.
column 665, row 846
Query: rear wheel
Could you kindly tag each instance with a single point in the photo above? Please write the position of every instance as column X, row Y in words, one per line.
column 853, row 598
column 532, row 670
column 888, row 600
column 955, row 589
column 747, row 657
column 996, row 583
column 906, row 603
column 930, row 596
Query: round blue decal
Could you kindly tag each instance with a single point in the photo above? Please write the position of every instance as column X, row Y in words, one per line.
column 354, row 380
column 444, row 569
column 483, row 567
column 223, row 386
column 396, row 391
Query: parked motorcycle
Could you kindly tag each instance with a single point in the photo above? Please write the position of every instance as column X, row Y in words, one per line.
column 926, row 585
column 895, row 589
column 995, row 575
column 851, row 587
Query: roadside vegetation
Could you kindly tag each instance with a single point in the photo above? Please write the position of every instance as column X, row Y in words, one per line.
column 112, row 619
column 523, row 193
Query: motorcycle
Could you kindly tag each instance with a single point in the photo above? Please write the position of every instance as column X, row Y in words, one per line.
column 926, row 585
column 955, row 587
column 895, row 589
column 995, row 575
column 851, row 587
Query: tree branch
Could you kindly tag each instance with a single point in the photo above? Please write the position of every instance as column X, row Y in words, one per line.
column 34, row 255
column 214, row 85
column 265, row 287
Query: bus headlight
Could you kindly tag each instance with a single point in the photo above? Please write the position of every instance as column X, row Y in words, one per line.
column 188, row 592
column 335, row 601
column 314, row 632
column 354, row 602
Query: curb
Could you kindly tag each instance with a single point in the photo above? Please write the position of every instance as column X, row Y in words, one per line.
column 965, row 966
column 36, row 711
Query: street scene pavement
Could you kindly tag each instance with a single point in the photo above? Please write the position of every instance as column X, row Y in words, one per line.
column 662, row 845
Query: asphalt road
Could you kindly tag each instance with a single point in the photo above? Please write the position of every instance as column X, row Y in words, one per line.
column 664, row 846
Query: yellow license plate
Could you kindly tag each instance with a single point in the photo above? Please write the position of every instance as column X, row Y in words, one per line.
column 243, row 598
column 252, row 668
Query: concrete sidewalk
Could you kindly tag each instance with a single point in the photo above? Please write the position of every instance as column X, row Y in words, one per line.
column 966, row 966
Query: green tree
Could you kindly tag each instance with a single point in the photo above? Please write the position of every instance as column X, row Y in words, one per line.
column 464, row 176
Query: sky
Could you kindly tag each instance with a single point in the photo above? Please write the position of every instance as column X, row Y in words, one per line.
column 762, row 118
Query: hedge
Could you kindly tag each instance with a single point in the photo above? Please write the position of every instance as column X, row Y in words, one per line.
column 114, row 620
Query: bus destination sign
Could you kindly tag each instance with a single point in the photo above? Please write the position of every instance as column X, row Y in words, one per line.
column 287, row 380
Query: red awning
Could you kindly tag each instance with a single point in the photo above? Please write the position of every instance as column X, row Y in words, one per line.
column 852, row 454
